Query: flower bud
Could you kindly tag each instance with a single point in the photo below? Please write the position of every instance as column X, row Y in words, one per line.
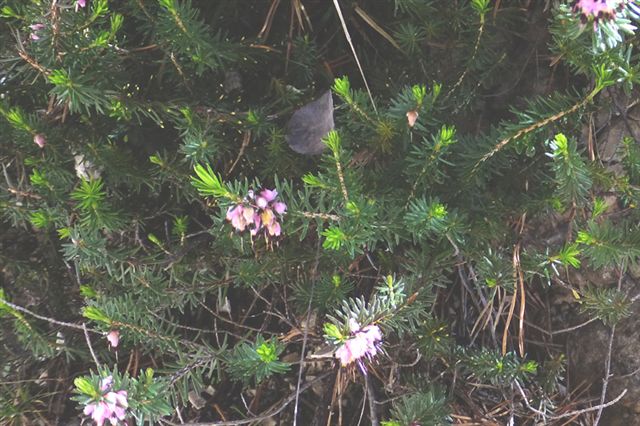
column 40, row 140
column 114, row 338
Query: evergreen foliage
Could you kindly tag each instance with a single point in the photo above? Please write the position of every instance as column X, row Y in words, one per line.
column 148, row 191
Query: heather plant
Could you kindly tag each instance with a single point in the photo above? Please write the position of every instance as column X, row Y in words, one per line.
column 176, row 251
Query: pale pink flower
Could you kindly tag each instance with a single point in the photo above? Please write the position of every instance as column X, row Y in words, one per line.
column 364, row 343
column 234, row 215
column 114, row 338
column 112, row 406
column 597, row 9
column 118, row 404
column 81, row 4
column 247, row 215
column 266, row 196
column 372, row 333
column 99, row 412
column 257, row 224
column 354, row 327
column 240, row 216
column 262, row 202
column 269, row 194
column 274, row 229
column 412, row 117
column 105, row 384
column 280, row 207
column 40, row 140
column 34, row 31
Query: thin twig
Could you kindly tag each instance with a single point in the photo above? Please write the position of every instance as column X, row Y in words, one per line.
column 364, row 401
column 266, row 27
column 269, row 413
column 570, row 413
column 607, row 362
column 535, row 126
column 473, row 57
column 353, row 50
column 371, row 398
column 516, row 289
column 625, row 376
column 607, row 373
column 575, row 327
column 306, row 333
column 93, row 355
column 198, row 330
column 245, row 143
column 50, row 320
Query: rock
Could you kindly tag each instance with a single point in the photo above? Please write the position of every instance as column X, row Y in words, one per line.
column 310, row 124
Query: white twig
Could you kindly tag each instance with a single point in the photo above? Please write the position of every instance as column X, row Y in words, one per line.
column 570, row 413
column 607, row 362
column 269, row 413
column 607, row 375
column 306, row 335
column 575, row 327
column 43, row 318
column 93, row 355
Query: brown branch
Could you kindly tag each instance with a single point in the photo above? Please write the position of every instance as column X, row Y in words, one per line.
column 245, row 143
column 43, row 318
column 28, row 59
column 535, row 126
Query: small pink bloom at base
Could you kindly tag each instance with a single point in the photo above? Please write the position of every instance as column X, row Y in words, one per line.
column 99, row 412
column 117, row 399
column 111, row 406
column 344, row 355
column 274, row 229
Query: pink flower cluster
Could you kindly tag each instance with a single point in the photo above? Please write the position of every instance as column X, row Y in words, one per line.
column 35, row 28
column 258, row 213
column 112, row 406
column 597, row 9
column 364, row 343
